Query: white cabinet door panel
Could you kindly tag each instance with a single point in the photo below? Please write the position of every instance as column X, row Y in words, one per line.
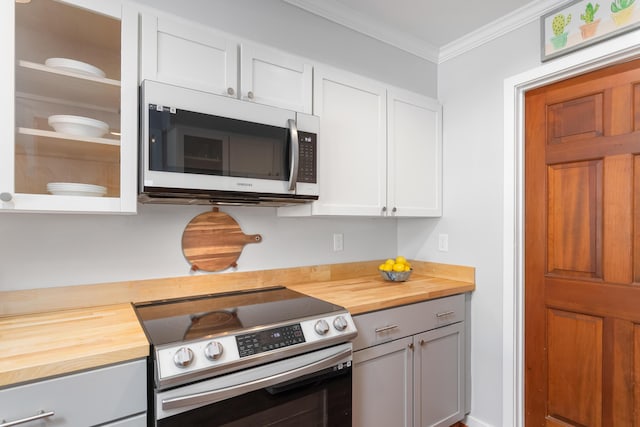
column 188, row 55
column 352, row 143
column 414, row 155
column 275, row 78
column 382, row 385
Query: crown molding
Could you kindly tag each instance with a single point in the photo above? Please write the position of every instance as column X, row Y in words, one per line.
column 514, row 20
column 347, row 17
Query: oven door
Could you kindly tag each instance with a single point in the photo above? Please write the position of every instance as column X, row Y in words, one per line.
column 313, row 389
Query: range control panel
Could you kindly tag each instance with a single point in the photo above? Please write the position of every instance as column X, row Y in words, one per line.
column 271, row 339
column 227, row 352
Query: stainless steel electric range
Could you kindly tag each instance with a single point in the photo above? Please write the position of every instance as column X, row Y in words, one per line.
column 253, row 358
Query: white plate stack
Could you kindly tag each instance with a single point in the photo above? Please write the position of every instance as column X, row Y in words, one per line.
column 75, row 189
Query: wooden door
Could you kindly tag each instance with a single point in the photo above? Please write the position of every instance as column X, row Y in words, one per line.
column 582, row 250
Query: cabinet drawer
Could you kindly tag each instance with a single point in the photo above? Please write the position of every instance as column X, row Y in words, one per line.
column 386, row 325
column 83, row 399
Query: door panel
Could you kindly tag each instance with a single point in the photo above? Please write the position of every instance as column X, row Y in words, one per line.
column 576, row 119
column 582, row 246
column 575, row 204
column 574, row 343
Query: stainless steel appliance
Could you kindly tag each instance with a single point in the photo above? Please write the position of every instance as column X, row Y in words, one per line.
column 197, row 147
column 252, row 358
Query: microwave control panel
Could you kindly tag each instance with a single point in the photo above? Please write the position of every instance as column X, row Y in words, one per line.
column 307, row 169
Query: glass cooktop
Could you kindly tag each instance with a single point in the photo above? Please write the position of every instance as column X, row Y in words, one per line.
column 185, row 319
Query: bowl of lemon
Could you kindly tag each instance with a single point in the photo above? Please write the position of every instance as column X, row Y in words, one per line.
column 395, row 270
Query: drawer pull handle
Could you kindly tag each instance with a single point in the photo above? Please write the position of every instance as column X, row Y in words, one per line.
column 445, row 314
column 39, row 416
column 379, row 330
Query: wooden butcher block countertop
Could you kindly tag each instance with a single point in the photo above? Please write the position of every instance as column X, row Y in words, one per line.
column 42, row 345
column 54, row 331
column 370, row 293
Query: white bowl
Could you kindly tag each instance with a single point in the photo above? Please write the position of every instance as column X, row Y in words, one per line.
column 78, row 126
column 75, row 66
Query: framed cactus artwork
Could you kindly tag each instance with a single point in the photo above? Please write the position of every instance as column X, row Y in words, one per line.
column 580, row 23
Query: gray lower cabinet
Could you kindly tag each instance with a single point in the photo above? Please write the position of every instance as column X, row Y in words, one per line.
column 383, row 385
column 409, row 365
column 113, row 396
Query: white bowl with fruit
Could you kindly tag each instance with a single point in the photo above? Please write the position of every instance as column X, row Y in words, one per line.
column 395, row 270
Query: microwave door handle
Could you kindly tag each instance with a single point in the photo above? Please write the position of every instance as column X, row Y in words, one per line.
column 295, row 154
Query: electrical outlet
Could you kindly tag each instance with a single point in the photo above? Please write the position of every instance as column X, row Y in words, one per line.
column 443, row 242
column 338, row 242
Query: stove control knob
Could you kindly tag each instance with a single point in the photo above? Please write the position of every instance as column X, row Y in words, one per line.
column 213, row 350
column 322, row 327
column 183, row 357
column 340, row 323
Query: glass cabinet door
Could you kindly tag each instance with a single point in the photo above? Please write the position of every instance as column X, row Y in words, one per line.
column 67, row 109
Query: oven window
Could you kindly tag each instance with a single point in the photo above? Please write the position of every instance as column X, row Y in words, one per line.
column 188, row 142
column 318, row 401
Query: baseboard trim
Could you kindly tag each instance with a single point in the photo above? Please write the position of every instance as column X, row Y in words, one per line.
column 474, row 422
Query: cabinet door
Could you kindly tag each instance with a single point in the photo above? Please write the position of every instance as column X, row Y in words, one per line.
column 414, row 186
column 439, row 376
column 69, row 132
column 189, row 55
column 382, row 385
column 351, row 145
column 275, row 78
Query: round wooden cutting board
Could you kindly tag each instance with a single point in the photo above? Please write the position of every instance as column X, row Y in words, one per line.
column 213, row 241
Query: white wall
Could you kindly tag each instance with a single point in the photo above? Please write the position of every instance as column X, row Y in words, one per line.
column 47, row 250
column 470, row 88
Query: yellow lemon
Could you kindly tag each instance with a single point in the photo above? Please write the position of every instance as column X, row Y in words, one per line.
column 390, row 261
column 401, row 260
column 407, row 264
column 381, row 266
column 398, row 267
column 407, row 268
column 386, row 267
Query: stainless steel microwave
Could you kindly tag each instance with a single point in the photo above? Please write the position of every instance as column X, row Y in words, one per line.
column 201, row 148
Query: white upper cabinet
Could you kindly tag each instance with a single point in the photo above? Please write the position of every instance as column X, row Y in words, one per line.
column 186, row 54
column 380, row 149
column 414, row 154
column 194, row 56
column 351, row 144
column 275, row 78
column 69, row 123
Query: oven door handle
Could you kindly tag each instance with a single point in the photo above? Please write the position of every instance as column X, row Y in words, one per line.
column 217, row 395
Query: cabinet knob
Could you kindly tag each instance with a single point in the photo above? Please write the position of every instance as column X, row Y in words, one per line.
column 250, row 95
column 394, row 209
column 230, row 91
column 384, row 209
column 411, row 346
column 6, row 197
column 422, row 342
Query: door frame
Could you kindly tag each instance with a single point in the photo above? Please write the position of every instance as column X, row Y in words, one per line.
column 622, row 48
